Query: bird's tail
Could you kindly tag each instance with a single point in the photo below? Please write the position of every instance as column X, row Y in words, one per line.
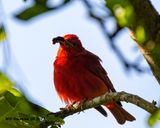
column 119, row 113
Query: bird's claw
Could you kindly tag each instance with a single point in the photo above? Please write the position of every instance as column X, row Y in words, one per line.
column 81, row 103
column 69, row 106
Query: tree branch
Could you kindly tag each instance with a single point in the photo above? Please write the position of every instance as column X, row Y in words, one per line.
column 148, row 17
column 112, row 96
column 144, row 23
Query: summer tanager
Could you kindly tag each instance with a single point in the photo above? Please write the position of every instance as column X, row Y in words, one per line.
column 79, row 75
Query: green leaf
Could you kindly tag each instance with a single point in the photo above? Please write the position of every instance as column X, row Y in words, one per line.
column 33, row 11
column 5, row 83
column 122, row 10
column 40, row 7
column 3, row 34
column 4, row 105
column 16, row 111
column 19, row 112
column 58, row 120
column 154, row 118
column 140, row 34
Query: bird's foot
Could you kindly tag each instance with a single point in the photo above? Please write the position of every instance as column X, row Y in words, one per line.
column 69, row 106
column 80, row 104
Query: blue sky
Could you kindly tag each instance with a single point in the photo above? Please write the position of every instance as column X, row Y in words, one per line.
column 33, row 55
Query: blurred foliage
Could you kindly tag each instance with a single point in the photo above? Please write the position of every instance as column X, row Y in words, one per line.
column 5, row 83
column 122, row 10
column 39, row 7
column 33, row 11
column 140, row 34
column 2, row 34
column 16, row 111
column 154, row 118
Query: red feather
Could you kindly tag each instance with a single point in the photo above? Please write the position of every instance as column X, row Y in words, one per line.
column 79, row 75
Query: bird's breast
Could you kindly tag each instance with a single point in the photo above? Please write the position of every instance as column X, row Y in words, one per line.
column 74, row 82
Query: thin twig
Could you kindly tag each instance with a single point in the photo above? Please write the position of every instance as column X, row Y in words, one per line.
column 101, row 21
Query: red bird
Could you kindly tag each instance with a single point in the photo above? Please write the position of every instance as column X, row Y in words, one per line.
column 79, row 75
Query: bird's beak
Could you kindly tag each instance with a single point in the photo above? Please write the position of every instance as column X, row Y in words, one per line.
column 58, row 39
column 61, row 40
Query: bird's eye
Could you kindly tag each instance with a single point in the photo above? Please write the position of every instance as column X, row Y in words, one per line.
column 74, row 44
column 71, row 44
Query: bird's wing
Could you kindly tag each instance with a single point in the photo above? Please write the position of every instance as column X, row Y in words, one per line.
column 92, row 63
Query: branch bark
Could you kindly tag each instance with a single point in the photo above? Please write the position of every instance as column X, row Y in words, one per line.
column 112, row 96
column 144, row 24
column 147, row 16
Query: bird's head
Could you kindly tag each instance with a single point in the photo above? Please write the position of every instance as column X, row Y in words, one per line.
column 69, row 43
